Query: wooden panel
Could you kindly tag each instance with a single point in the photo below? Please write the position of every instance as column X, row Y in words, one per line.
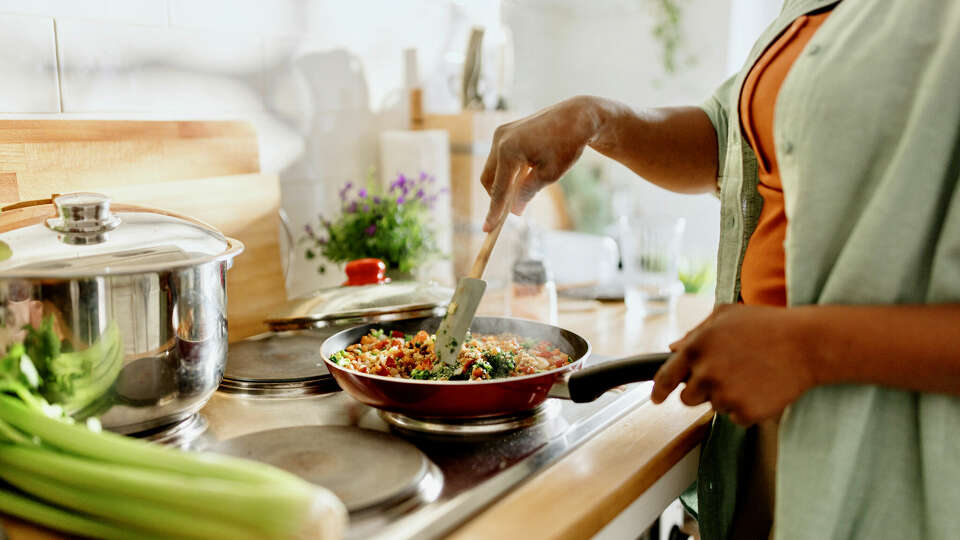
column 206, row 170
column 8, row 187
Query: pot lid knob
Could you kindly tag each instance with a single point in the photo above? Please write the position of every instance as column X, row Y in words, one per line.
column 84, row 218
column 366, row 272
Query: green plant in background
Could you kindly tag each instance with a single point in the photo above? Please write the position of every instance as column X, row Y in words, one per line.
column 696, row 277
column 667, row 30
column 588, row 198
column 393, row 226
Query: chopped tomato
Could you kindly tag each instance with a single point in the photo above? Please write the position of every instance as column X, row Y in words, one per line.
column 396, row 333
column 391, row 362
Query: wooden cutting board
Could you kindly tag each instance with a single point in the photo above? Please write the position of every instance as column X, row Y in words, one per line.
column 206, row 170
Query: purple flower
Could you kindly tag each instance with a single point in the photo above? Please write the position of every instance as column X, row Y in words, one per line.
column 322, row 240
column 371, row 230
column 400, row 182
column 345, row 190
column 423, row 175
column 308, row 229
column 420, row 194
column 366, row 208
column 362, row 194
column 353, row 207
column 376, row 200
column 400, row 200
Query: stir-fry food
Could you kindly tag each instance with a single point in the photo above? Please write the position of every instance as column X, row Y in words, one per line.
column 482, row 357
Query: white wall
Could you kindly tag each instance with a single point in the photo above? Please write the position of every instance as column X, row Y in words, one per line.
column 320, row 78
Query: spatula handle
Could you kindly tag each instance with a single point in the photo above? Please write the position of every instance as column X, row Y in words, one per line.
column 480, row 263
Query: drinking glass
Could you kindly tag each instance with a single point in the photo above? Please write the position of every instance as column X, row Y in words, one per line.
column 651, row 253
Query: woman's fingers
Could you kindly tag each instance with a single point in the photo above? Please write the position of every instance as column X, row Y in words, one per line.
column 505, row 174
column 670, row 375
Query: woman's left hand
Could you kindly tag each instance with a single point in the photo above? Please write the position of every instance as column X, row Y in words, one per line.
column 748, row 361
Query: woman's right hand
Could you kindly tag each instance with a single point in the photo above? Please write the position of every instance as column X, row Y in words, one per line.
column 549, row 142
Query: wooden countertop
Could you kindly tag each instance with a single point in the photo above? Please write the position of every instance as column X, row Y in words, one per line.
column 585, row 490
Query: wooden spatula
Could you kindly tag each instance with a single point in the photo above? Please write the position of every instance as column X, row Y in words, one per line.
column 470, row 288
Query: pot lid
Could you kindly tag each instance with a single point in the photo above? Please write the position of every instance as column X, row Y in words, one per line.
column 331, row 305
column 79, row 234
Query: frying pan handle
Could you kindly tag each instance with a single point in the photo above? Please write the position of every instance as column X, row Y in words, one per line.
column 588, row 384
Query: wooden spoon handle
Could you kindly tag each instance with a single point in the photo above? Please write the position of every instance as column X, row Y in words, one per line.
column 480, row 263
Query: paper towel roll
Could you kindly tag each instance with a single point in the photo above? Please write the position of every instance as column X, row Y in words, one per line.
column 412, row 152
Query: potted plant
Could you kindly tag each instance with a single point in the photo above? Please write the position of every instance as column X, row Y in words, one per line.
column 391, row 224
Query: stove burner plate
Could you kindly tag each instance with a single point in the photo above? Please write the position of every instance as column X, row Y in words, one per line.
column 473, row 426
column 285, row 364
column 282, row 357
column 366, row 469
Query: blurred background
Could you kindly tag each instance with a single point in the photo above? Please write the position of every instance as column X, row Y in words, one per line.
column 358, row 92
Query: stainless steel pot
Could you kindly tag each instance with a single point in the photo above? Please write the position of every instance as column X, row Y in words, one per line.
column 138, row 295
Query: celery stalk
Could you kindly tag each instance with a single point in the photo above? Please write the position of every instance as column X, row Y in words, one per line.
column 55, row 518
column 9, row 433
column 271, row 509
column 127, row 512
column 118, row 449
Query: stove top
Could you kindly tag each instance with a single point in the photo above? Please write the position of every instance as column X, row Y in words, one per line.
column 404, row 477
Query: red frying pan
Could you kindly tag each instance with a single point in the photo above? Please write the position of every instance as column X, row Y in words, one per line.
column 477, row 399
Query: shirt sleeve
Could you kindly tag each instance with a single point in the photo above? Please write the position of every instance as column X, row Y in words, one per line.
column 717, row 109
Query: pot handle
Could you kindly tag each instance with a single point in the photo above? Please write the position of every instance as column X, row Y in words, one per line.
column 590, row 383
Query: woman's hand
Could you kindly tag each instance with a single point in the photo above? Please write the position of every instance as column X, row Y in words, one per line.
column 674, row 148
column 550, row 142
column 748, row 361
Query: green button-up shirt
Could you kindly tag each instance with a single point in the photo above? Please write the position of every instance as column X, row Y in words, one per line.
column 867, row 136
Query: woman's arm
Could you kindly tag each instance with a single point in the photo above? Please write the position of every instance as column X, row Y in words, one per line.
column 675, row 148
column 753, row 361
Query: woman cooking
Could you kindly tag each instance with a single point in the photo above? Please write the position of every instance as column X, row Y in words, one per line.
column 833, row 357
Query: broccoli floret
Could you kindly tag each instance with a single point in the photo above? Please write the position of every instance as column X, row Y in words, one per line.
column 442, row 372
column 461, row 375
column 501, row 363
column 484, row 366
column 420, row 374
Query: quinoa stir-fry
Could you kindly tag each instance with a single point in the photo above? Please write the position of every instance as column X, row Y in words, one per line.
column 412, row 356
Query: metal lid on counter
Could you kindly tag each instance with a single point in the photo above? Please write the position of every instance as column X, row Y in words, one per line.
column 381, row 300
column 80, row 234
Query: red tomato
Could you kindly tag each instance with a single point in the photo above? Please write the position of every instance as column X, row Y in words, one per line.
column 390, row 363
column 396, row 333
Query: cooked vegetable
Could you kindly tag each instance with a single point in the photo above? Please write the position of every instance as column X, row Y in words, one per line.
column 481, row 357
column 64, row 475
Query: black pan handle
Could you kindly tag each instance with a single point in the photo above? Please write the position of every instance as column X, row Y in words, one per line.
column 588, row 384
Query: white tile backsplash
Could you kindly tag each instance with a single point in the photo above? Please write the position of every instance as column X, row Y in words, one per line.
column 28, row 64
column 109, row 67
column 146, row 12
column 273, row 17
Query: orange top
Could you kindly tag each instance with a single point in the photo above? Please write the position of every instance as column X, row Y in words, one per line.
column 762, row 278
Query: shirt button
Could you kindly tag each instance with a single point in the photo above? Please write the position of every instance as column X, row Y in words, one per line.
column 787, row 147
column 731, row 221
column 813, row 49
